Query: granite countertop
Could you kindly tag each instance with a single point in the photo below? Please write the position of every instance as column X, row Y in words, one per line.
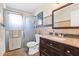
column 69, row 41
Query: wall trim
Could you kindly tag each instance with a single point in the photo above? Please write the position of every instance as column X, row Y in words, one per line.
column 49, row 25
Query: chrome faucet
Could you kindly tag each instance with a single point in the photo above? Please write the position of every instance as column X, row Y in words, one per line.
column 53, row 32
column 60, row 34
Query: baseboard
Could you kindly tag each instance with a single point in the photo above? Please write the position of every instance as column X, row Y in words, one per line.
column 13, row 50
column 2, row 53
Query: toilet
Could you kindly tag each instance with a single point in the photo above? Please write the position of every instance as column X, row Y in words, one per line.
column 33, row 46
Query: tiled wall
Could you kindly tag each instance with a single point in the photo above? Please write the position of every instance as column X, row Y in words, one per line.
column 46, row 30
column 2, row 41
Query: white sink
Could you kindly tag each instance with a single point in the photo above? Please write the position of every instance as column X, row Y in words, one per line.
column 55, row 38
column 58, row 38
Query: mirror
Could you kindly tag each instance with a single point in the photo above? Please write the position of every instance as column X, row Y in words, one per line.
column 66, row 16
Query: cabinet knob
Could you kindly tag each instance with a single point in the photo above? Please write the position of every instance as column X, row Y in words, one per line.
column 51, row 44
column 44, row 49
column 68, row 51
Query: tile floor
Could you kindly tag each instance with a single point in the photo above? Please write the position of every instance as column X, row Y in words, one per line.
column 19, row 52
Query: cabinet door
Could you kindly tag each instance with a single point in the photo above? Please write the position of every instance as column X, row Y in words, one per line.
column 70, row 51
column 50, row 48
column 56, row 47
column 43, row 47
column 43, row 42
column 47, row 51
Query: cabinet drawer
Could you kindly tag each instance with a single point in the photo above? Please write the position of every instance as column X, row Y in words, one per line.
column 46, row 52
column 43, row 54
column 43, row 41
column 57, row 45
column 70, row 51
column 49, row 52
column 53, row 48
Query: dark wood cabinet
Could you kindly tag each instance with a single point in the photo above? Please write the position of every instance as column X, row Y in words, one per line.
column 53, row 48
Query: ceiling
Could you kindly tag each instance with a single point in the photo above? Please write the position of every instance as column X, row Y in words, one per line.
column 28, row 7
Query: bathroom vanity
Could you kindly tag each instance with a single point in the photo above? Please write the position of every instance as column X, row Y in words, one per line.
column 65, row 17
column 53, row 47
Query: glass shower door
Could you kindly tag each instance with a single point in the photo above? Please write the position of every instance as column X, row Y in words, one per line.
column 14, row 26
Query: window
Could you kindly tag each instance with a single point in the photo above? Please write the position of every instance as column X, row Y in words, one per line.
column 15, row 21
column 40, row 18
column 39, row 22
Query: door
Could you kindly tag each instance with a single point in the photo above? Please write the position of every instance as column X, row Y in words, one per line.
column 15, row 37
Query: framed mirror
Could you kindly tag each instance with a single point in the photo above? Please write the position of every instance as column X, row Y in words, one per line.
column 66, row 16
